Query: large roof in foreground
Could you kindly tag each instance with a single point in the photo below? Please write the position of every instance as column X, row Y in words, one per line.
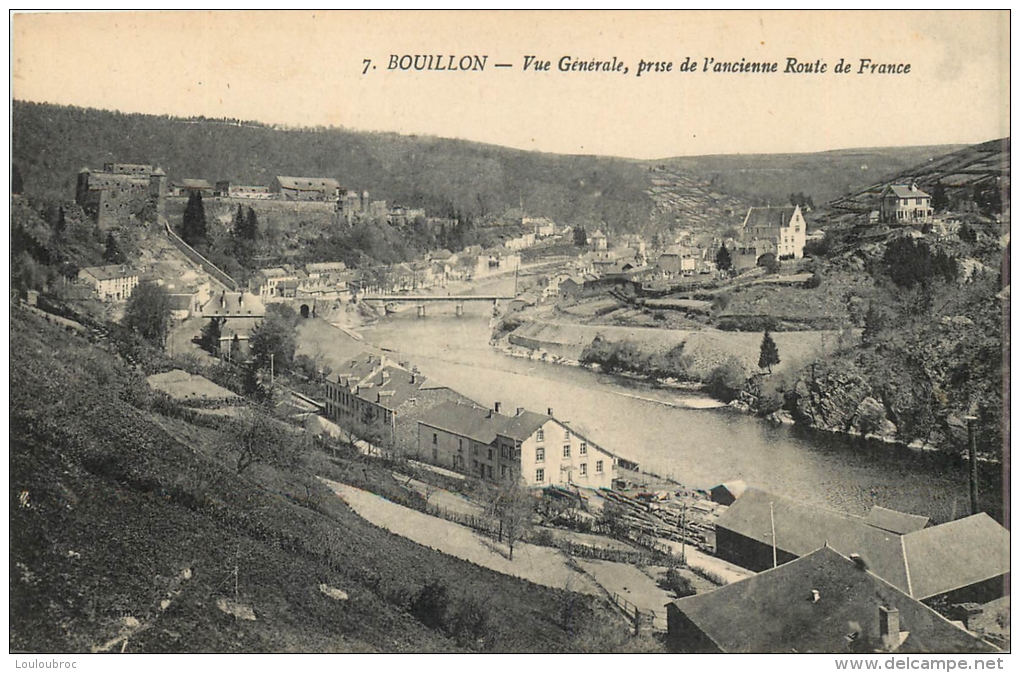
column 924, row 562
column 775, row 611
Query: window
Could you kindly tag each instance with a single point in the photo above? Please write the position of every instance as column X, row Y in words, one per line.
column 566, row 451
column 540, row 475
column 584, row 469
column 502, row 471
column 539, row 455
column 474, row 465
column 488, row 471
column 490, row 456
column 435, row 438
column 584, row 448
column 566, row 435
column 460, row 444
column 598, row 466
column 540, row 436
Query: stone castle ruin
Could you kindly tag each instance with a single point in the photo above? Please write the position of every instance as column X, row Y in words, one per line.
column 120, row 191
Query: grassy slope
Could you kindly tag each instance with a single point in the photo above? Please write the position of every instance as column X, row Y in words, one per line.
column 121, row 500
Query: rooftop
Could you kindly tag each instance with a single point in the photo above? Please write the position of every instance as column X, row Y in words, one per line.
column 307, row 184
column 483, row 425
column 769, row 216
column 234, row 305
column 110, row 272
column 776, row 611
column 923, row 562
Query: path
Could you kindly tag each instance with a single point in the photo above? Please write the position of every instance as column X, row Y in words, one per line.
column 631, row 584
column 442, row 498
column 541, row 565
column 726, row 571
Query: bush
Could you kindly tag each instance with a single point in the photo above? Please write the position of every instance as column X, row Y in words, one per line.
column 431, row 604
column 814, row 281
column 678, row 584
column 726, row 381
column 470, row 623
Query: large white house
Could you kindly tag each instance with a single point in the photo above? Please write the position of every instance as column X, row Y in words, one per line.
column 114, row 282
column 781, row 231
column 491, row 445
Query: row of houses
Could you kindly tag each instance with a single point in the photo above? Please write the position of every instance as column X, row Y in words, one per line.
column 393, row 404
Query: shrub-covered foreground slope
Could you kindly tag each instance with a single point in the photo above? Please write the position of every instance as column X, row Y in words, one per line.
column 132, row 530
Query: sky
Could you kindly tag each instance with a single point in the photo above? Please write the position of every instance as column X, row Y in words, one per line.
column 307, row 69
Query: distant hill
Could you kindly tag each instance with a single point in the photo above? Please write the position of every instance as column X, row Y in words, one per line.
column 963, row 174
column 52, row 143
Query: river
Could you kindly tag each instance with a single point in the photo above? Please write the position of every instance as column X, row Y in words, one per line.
column 697, row 447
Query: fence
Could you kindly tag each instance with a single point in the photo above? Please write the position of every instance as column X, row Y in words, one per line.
column 197, row 258
column 641, row 618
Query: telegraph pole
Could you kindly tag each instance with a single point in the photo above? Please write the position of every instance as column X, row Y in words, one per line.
column 972, row 444
column 772, row 516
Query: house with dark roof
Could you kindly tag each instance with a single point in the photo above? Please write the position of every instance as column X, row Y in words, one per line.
column 292, row 188
column 781, row 231
column 905, row 203
column 489, row 444
column 963, row 560
column 189, row 186
column 113, row 282
column 727, row 493
column 366, row 393
column 822, row 602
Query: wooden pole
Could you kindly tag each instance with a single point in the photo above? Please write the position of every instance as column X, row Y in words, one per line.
column 775, row 555
column 972, row 444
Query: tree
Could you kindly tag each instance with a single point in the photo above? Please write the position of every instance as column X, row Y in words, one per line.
column 113, row 254
column 580, row 236
column 723, row 261
column 274, row 342
column 211, row 333
column 257, row 437
column 769, row 356
column 939, row 197
column 512, row 506
column 769, row 262
column 149, row 312
column 194, row 227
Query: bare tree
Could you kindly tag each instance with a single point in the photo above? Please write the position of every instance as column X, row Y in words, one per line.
column 512, row 505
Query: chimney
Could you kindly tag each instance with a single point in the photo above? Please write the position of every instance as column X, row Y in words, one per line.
column 240, row 299
column 520, row 410
column 489, row 414
column 889, row 627
column 815, row 596
column 496, row 407
column 385, row 375
column 549, row 411
column 414, row 378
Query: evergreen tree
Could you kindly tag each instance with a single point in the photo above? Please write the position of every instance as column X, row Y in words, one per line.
column 113, row 254
column 194, row 227
column 723, row 261
column 769, row 356
column 211, row 333
column 580, row 236
column 939, row 197
column 251, row 228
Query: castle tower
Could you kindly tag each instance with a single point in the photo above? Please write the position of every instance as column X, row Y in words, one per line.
column 157, row 190
column 81, row 195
